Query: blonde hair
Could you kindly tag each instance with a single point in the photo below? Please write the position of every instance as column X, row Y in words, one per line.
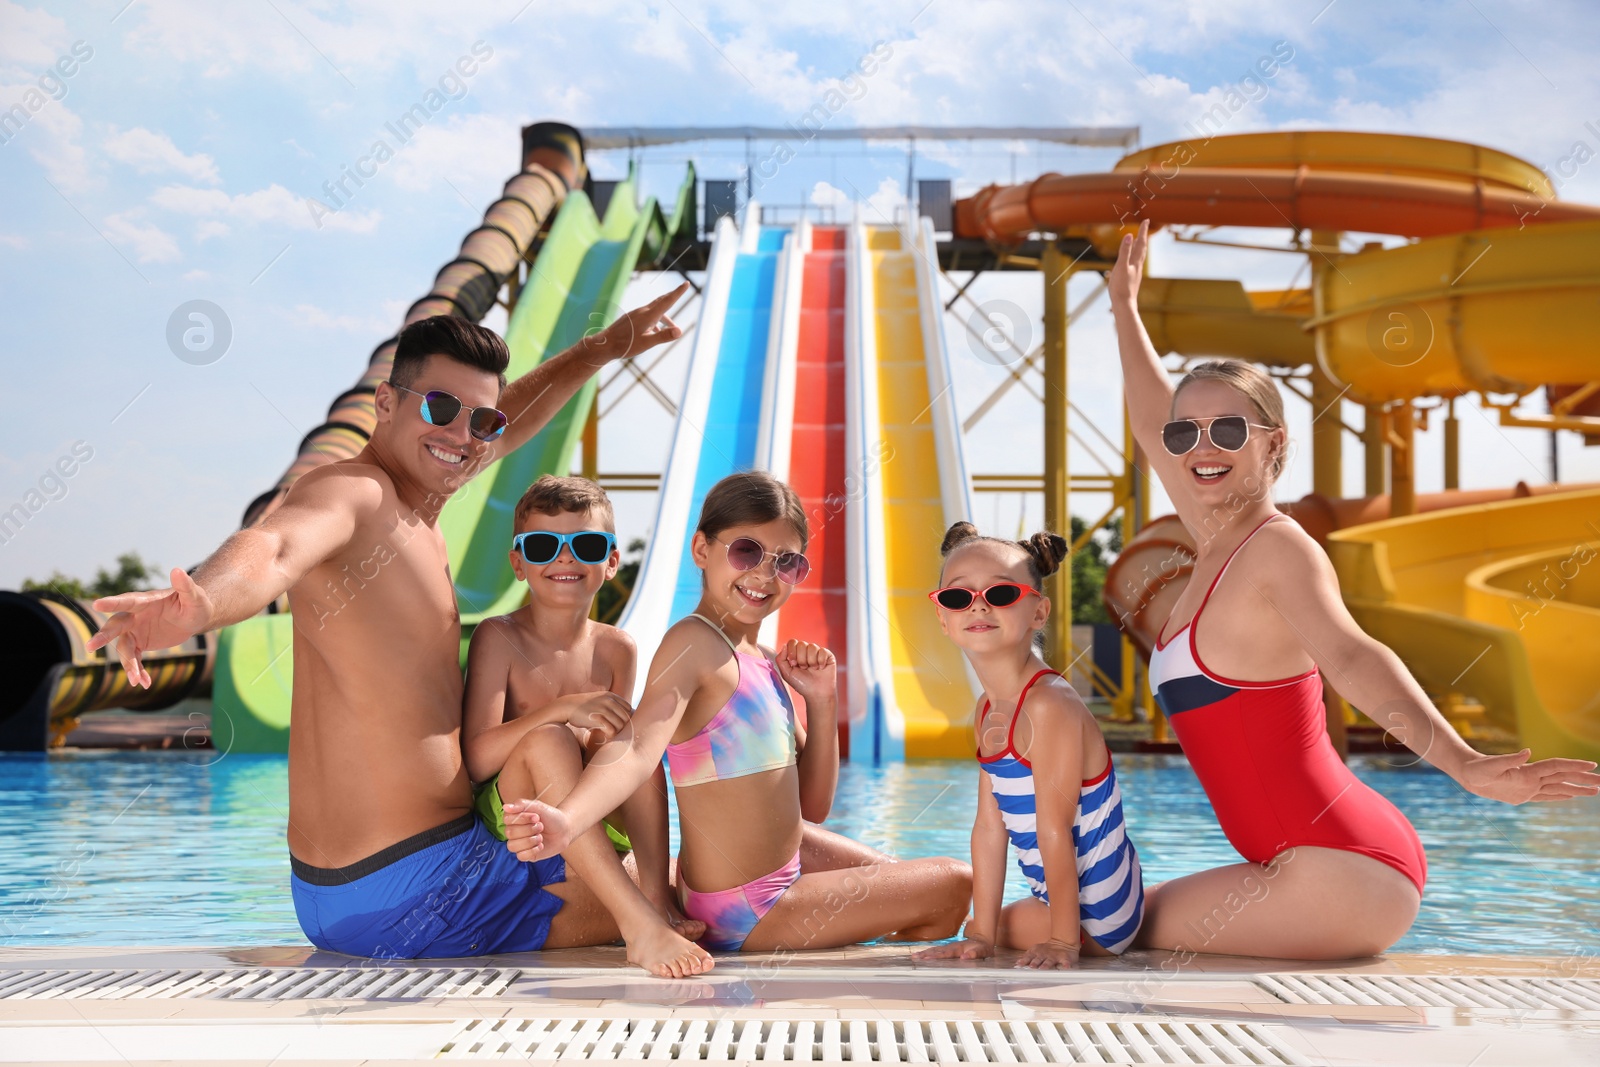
column 1249, row 381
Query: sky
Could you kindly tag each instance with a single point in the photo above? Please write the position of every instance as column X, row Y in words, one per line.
column 169, row 153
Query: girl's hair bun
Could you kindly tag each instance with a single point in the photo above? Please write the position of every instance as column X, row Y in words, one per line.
column 1047, row 551
column 958, row 534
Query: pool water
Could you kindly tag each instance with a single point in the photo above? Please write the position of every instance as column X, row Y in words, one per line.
column 188, row 848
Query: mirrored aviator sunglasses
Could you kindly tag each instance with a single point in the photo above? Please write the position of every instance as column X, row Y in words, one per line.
column 1227, row 432
column 746, row 554
column 440, row 408
column 540, row 547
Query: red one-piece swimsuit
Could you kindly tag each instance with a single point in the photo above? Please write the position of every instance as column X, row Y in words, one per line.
column 1262, row 753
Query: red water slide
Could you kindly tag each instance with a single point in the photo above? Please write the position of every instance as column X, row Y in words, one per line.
column 816, row 609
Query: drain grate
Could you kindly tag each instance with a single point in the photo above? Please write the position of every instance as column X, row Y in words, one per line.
column 1436, row 991
column 860, row 1040
column 258, row 983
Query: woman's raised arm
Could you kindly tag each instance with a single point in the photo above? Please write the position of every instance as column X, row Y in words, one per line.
column 1145, row 382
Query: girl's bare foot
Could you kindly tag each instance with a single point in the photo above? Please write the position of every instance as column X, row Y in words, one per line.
column 659, row 949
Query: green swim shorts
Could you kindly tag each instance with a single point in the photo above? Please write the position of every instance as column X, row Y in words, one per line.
column 486, row 799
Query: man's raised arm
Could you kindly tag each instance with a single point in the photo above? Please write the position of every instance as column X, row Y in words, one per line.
column 252, row 569
column 533, row 399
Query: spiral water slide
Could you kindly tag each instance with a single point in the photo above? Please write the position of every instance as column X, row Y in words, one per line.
column 578, row 279
column 582, row 266
column 1501, row 283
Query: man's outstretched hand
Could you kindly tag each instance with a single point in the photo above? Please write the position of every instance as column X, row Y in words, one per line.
column 156, row 618
column 638, row 330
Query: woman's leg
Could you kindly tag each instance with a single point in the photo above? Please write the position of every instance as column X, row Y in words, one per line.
column 919, row 900
column 1307, row 904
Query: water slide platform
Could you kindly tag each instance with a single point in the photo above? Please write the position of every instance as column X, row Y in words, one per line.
column 293, row 1004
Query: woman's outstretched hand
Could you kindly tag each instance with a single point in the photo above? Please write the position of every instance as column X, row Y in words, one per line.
column 1513, row 779
column 1124, row 280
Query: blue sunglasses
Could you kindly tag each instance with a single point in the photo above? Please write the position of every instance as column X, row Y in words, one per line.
column 539, row 547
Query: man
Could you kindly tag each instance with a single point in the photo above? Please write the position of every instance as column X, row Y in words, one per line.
column 388, row 860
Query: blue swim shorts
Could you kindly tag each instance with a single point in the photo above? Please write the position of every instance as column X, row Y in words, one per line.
column 447, row 892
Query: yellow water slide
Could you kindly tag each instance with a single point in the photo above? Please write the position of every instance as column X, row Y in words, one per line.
column 907, row 460
column 1498, row 603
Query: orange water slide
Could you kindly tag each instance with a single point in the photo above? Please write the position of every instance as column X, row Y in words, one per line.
column 1368, row 183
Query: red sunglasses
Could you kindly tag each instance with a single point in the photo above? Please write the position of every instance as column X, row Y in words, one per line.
column 999, row 595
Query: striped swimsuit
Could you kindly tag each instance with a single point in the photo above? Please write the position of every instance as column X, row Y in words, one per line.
column 1110, row 887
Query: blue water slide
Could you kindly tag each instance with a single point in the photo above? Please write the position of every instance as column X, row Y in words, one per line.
column 719, row 421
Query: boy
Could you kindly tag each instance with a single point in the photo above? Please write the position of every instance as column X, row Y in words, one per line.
column 546, row 685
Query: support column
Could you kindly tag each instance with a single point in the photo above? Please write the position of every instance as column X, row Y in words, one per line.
column 1402, row 461
column 591, row 441
column 1376, row 450
column 1057, row 269
column 1327, row 436
column 1452, row 447
column 1327, row 445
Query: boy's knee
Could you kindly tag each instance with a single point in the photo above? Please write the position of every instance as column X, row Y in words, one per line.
column 545, row 741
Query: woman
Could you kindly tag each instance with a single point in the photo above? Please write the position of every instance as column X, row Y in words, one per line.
column 1334, row 870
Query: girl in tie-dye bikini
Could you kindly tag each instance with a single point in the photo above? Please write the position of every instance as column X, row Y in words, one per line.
column 749, row 775
column 750, row 778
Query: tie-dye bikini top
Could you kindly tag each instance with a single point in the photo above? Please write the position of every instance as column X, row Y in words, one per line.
column 753, row 732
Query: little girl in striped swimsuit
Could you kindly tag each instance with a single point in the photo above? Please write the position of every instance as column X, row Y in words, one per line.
column 1045, row 769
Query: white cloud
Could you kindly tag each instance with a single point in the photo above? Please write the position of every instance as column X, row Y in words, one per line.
column 30, row 47
column 197, row 276
column 825, row 195
column 318, row 319
column 273, row 205
column 154, row 153
column 211, row 228
column 11, row 240
column 150, row 243
column 474, row 152
column 32, row 41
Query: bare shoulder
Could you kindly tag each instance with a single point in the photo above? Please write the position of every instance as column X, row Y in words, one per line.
column 1054, row 704
column 612, row 637
column 689, row 646
column 351, row 480
column 1286, row 557
column 492, row 639
column 616, row 646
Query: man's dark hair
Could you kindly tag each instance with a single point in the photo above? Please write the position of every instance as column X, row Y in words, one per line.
column 451, row 337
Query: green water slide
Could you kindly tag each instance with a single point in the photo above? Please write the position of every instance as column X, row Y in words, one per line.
column 576, row 284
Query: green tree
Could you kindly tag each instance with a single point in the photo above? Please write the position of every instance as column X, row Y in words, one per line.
column 132, row 573
column 1089, row 569
column 613, row 596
